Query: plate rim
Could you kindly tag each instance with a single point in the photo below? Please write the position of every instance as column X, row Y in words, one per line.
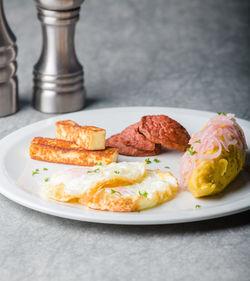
column 47, row 207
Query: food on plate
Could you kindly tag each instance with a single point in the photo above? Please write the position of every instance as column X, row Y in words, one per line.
column 163, row 130
column 132, row 137
column 74, row 145
column 156, row 187
column 67, row 152
column 88, row 137
column 215, row 157
column 76, row 182
column 145, row 137
column 118, row 187
column 124, row 149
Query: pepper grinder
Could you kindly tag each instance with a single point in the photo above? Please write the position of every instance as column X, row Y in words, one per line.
column 8, row 66
column 58, row 75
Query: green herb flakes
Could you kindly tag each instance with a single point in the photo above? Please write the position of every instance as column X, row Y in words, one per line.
column 198, row 141
column 117, row 172
column 167, row 167
column 197, row 206
column 114, row 191
column 94, row 171
column 148, row 161
column 223, row 113
column 45, row 169
column 191, row 150
column 47, row 179
column 145, row 194
column 157, row 160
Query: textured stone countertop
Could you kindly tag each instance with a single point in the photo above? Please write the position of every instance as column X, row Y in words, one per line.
column 192, row 54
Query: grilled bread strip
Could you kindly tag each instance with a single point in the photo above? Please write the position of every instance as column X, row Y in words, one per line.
column 66, row 152
column 88, row 137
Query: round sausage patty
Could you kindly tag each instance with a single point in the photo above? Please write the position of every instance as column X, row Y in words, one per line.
column 124, row 149
column 132, row 137
column 163, row 130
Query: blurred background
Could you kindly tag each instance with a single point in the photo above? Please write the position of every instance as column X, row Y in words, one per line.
column 178, row 53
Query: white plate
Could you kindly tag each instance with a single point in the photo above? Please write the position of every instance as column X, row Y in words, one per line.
column 18, row 184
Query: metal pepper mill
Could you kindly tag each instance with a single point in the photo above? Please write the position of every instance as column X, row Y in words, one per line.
column 8, row 66
column 58, row 75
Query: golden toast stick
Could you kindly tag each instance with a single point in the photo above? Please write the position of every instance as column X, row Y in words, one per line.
column 66, row 152
column 88, row 137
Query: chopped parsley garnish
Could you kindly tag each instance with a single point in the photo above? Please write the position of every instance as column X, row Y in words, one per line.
column 99, row 164
column 157, row 160
column 94, row 171
column 148, row 161
column 45, row 169
column 114, row 191
column 224, row 113
column 191, row 150
column 197, row 206
column 35, row 173
column 167, row 167
column 47, row 179
column 145, row 194
column 37, row 170
column 198, row 141
column 117, row 172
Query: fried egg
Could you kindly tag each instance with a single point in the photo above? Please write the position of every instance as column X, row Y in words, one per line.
column 119, row 187
column 75, row 182
column 156, row 187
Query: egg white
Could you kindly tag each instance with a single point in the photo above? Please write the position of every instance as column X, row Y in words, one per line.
column 151, row 183
column 77, row 181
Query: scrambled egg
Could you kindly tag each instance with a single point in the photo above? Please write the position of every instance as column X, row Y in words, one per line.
column 212, row 176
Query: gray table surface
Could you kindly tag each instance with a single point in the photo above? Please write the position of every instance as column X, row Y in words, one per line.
column 192, row 54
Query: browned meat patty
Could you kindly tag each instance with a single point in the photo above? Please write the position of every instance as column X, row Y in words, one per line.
column 132, row 137
column 163, row 130
column 117, row 141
